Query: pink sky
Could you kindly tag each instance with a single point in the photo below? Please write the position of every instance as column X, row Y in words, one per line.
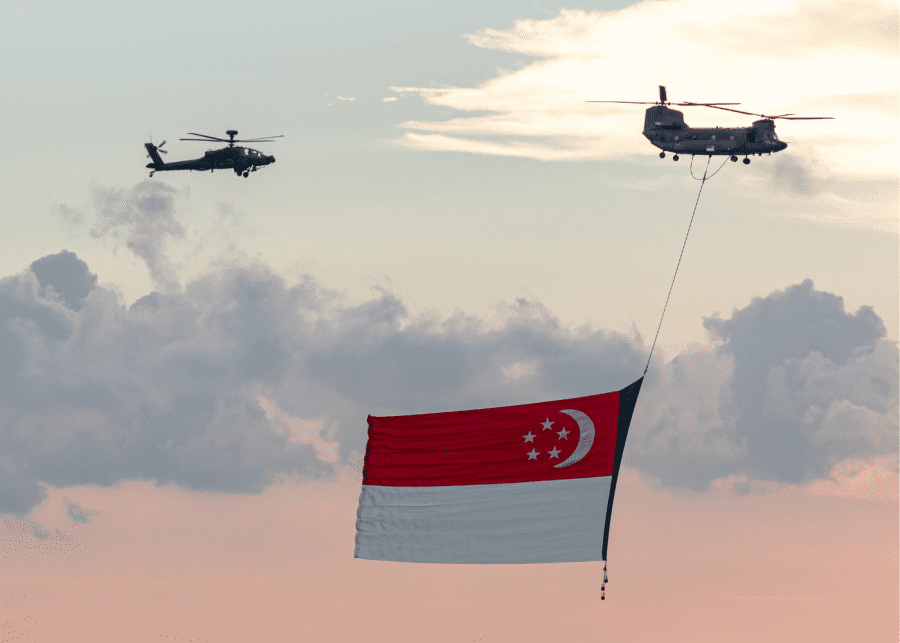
column 165, row 564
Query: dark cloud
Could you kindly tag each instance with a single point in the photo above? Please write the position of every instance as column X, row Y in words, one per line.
column 170, row 388
column 77, row 513
column 163, row 390
column 796, row 386
column 67, row 275
column 439, row 365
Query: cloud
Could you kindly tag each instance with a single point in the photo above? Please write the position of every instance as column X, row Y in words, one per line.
column 314, row 431
column 144, row 218
column 162, row 390
column 240, row 378
column 809, row 58
column 796, row 386
column 807, row 175
column 77, row 513
column 798, row 175
column 65, row 276
column 72, row 218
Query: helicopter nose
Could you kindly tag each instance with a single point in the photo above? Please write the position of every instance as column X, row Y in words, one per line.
column 271, row 159
column 782, row 145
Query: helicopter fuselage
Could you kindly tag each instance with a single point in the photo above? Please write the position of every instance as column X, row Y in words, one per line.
column 665, row 128
column 240, row 159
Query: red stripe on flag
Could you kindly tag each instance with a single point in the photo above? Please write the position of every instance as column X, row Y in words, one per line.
column 493, row 446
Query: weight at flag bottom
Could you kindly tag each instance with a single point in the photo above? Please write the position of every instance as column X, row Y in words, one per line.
column 532, row 483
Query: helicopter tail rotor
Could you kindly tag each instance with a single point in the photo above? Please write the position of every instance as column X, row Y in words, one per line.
column 151, row 148
column 662, row 95
column 153, row 154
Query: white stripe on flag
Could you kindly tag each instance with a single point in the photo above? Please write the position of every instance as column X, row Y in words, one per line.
column 525, row 522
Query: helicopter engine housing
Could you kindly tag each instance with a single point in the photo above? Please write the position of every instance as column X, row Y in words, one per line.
column 660, row 117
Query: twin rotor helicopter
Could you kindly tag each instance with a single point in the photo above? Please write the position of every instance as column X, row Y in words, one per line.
column 242, row 160
column 664, row 127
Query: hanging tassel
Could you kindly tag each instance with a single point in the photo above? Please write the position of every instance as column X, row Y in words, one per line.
column 605, row 581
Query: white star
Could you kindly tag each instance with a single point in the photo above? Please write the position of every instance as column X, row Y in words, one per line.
column 554, row 453
column 546, row 424
column 562, row 434
column 532, row 455
column 530, row 437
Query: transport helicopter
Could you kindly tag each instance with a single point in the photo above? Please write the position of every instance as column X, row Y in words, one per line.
column 242, row 160
column 666, row 129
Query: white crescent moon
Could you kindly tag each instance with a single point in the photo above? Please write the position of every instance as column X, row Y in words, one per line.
column 585, row 437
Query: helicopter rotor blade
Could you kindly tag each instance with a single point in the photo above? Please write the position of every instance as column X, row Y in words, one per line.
column 257, row 140
column 207, row 136
column 629, row 102
column 726, row 109
column 643, row 102
column 787, row 117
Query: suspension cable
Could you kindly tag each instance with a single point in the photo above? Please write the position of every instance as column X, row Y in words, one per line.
column 705, row 177
column 702, row 183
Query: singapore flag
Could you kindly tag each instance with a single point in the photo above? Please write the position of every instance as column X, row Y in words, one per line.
column 518, row 484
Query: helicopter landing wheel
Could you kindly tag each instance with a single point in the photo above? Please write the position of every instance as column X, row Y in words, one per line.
column 662, row 155
column 246, row 174
column 733, row 158
column 746, row 161
column 675, row 158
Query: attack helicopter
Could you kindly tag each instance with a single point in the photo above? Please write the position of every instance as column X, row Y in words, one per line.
column 665, row 128
column 242, row 160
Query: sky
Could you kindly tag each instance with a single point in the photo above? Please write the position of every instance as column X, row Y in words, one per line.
column 187, row 360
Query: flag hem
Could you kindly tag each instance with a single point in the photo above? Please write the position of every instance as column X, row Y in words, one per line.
column 627, row 400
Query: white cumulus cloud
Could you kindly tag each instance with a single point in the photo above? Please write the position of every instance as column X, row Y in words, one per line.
column 807, row 58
